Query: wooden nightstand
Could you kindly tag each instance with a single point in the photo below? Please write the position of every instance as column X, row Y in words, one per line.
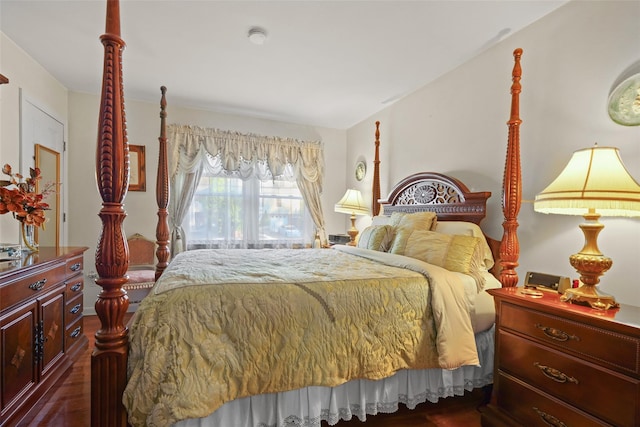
column 562, row 364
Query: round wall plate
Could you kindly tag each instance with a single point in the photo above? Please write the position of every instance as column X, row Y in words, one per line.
column 361, row 170
column 624, row 102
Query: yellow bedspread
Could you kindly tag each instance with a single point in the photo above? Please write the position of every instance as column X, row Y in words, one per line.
column 210, row 333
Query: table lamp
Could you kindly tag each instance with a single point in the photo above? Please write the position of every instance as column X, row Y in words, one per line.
column 594, row 183
column 352, row 203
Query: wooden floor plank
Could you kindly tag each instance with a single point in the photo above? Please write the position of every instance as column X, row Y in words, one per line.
column 68, row 402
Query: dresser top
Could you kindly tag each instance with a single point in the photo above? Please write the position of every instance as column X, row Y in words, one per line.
column 43, row 256
column 627, row 316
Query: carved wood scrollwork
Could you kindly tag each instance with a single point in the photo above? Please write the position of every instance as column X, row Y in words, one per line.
column 430, row 193
column 449, row 198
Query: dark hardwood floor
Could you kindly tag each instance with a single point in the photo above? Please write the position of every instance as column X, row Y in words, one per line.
column 68, row 403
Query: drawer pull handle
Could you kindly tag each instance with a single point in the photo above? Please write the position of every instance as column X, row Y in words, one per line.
column 556, row 334
column 36, row 286
column 555, row 374
column 549, row 419
column 75, row 267
column 76, row 308
column 76, row 287
column 76, row 332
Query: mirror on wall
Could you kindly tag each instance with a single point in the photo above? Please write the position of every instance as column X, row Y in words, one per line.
column 48, row 160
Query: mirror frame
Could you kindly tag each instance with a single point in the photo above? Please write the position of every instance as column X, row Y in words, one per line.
column 48, row 161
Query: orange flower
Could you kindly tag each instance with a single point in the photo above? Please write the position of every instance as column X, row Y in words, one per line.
column 20, row 198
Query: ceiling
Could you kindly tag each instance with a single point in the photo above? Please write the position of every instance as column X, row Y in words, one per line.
column 324, row 63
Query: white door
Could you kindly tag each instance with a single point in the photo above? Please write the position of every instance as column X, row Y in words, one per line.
column 39, row 127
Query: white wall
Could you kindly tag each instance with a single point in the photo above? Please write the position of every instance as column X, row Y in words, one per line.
column 40, row 87
column 457, row 125
column 143, row 128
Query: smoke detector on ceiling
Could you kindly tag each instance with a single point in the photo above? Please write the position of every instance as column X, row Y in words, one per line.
column 257, row 35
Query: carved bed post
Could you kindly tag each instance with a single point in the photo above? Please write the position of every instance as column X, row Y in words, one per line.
column 375, row 197
column 162, row 192
column 512, row 184
column 109, row 357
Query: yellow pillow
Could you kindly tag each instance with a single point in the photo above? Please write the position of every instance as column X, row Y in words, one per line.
column 468, row 229
column 376, row 237
column 451, row 251
column 414, row 221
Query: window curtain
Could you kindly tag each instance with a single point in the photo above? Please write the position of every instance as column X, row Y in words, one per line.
column 191, row 149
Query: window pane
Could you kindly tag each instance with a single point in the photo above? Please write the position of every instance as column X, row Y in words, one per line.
column 230, row 212
column 214, row 211
column 282, row 210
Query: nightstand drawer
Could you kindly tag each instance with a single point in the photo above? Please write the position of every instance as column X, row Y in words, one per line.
column 571, row 380
column 532, row 408
column 619, row 352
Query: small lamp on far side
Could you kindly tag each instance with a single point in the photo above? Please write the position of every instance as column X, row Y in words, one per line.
column 595, row 182
column 353, row 204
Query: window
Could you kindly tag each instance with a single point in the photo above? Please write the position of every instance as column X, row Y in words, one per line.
column 228, row 212
column 216, row 204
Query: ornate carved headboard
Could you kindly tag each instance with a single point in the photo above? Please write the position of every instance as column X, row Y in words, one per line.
column 449, row 198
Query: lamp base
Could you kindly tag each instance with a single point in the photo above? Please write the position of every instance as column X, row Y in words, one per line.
column 591, row 264
column 352, row 234
column 589, row 296
column 353, row 231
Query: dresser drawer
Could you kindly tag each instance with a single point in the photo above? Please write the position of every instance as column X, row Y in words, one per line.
column 74, row 333
column 75, row 286
column 73, row 309
column 30, row 285
column 603, row 393
column 532, row 408
column 616, row 351
column 75, row 265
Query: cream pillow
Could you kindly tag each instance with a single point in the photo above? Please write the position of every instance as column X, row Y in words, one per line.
column 453, row 252
column 468, row 229
column 414, row 221
column 376, row 237
column 380, row 220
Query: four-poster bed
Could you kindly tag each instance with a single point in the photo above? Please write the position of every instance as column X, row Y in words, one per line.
column 112, row 344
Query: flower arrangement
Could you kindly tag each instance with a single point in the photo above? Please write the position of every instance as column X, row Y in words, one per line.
column 19, row 197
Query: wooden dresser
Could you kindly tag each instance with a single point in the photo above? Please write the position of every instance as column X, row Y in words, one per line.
column 560, row 364
column 41, row 329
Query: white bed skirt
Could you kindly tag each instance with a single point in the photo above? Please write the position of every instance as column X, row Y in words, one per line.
column 307, row 407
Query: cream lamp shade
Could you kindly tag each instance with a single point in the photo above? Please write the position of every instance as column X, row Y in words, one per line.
column 595, row 182
column 352, row 203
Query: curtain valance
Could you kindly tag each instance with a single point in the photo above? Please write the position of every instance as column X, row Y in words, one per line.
column 237, row 150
